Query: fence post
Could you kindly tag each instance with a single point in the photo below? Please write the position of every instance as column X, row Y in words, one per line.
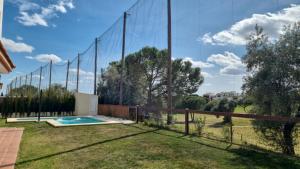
column 16, row 82
column 20, row 81
column 169, row 66
column 77, row 83
column 40, row 81
column 50, row 76
column 123, row 60
column 186, row 121
column 137, row 114
column 67, row 78
column 95, row 71
column 40, row 105
column 30, row 82
column 231, row 130
column 26, row 80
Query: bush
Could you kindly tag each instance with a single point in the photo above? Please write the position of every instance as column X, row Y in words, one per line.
column 223, row 105
column 227, row 132
column 54, row 100
column 199, row 125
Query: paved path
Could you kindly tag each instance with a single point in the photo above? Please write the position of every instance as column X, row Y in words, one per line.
column 10, row 139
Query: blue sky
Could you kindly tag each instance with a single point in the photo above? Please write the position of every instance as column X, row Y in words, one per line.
column 211, row 34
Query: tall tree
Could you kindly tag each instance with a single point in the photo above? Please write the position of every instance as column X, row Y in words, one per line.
column 145, row 78
column 274, row 83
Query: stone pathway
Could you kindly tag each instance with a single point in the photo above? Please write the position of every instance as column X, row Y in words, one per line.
column 10, row 139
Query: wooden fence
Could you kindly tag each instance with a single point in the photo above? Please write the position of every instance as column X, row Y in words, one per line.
column 141, row 113
column 127, row 112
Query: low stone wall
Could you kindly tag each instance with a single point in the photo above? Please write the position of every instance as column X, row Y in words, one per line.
column 114, row 110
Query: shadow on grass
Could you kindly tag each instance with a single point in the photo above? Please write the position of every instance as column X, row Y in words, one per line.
column 182, row 137
column 217, row 125
column 251, row 157
column 86, row 146
column 263, row 159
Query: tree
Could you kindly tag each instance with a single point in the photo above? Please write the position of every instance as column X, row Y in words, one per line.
column 193, row 102
column 274, row 83
column 244, row 102
column 224, row 105
column 145, row 79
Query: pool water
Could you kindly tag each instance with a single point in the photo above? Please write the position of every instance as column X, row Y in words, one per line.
column 78, row 120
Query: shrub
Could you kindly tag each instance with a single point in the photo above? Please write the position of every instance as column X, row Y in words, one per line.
column 199, row 125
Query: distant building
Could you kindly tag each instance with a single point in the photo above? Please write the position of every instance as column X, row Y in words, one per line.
column 222, row 95
column 6, row 64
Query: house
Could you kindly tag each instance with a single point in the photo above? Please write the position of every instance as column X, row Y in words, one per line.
column 6, row 64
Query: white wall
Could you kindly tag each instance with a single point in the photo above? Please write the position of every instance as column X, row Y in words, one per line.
column 86, row 104
column 1, row 16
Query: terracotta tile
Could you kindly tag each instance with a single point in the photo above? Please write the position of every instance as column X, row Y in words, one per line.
column 10, row 139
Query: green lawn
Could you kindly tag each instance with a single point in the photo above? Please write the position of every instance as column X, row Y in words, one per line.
column 132, row 146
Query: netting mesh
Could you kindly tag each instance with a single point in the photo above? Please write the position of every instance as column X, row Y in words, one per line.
column 144, row 25
column 87, row 69
column 59, row 75
column 131, row 58
column 72, row 75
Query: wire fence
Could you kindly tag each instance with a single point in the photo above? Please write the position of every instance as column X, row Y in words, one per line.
column 131, row 62
column 111, row 66
column 242, row 130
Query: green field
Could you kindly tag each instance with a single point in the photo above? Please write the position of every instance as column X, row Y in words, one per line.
column 243, row 132
column 132, row 146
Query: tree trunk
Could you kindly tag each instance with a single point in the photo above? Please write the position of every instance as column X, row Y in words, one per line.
column 288, row 147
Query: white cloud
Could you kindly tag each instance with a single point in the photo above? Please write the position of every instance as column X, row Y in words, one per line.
column 19, row 38
column 45, row 58
column 31, row 20
column 32, row 14
column 207, row 84
column 272, row 24
column 233, row 70
column 29, row 57
column 16, row 46
column 231, row 64
column 198, row 63
column 86, row 75
column 206, row 75
column 37, row 77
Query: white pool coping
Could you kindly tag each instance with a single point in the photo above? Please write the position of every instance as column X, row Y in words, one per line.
column 54, row 123
column 28, row 119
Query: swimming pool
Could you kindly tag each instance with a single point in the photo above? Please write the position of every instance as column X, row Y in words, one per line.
column 78, row 120
column 73, row 120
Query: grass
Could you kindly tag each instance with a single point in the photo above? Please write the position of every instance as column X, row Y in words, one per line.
column 240, row 109
column 132, row 146
column 243, row 131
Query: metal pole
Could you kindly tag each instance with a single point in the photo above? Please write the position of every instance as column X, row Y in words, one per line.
column 50, row 75
column 67, row 78
column 26, row 88
column 25, row 80
column 40, row 81
column 40, row 105
column 77, row 83
column 169, row 87
column 20, row 81
column 187, row 128
column 123, row 60
column 30, row 83
column 16, row 82
column 95, row 71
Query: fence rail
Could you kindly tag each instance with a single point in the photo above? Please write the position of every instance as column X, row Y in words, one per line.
column 142, row 113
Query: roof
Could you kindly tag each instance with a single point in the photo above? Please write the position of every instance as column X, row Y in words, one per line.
column 6, row 65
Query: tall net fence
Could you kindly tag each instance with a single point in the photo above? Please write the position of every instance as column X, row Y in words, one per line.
column 130, row 63
column 59, row 75
column 116, row 65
